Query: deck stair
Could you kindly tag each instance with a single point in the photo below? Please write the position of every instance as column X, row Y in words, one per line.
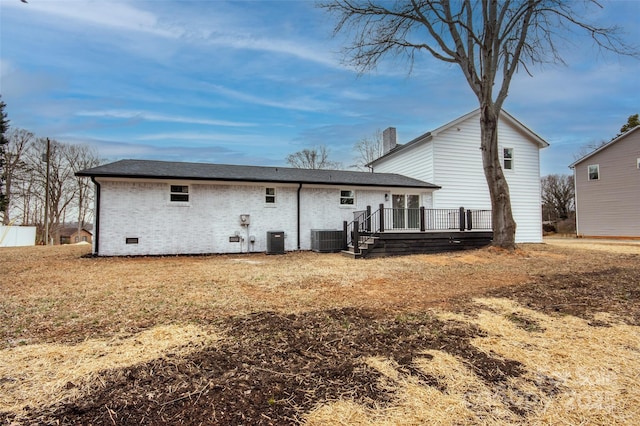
column 365, row 244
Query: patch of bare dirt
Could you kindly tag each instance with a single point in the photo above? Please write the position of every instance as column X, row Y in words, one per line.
column 272, row 369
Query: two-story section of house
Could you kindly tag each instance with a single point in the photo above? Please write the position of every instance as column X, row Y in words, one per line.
column 607, row 187
column 450, row 157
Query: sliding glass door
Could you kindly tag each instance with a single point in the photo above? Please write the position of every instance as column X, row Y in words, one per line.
column 406, row 211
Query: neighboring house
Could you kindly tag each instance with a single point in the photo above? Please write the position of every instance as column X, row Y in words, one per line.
column 607, row 187
column 69, row 235
column 157, row 208
column 450, row 157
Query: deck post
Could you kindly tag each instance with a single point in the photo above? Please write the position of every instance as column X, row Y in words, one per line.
column 461, row 217
column 345, row 237
column 423, row 226
column 469, row 221
column 381, row 227
column 356, row 237
column 368, row 219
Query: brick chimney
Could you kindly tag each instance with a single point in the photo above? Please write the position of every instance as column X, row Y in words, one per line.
column 388, row 139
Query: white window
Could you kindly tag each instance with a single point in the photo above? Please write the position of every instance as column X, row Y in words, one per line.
column 347, row 198
column 179, row 193
column 507, row 158
column 270, row 195
column 638, row 160
column 594, row 172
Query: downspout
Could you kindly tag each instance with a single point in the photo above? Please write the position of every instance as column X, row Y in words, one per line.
column 96, row 230
column 299, row 189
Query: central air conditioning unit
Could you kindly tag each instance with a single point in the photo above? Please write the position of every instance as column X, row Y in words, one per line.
column 327, row 240
column 275, row 242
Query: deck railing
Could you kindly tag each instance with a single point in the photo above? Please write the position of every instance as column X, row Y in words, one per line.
column 369, row 222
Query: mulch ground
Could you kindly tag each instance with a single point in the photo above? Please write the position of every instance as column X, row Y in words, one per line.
column 271, row 368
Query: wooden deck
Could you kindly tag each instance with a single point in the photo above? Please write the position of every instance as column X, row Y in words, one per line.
column 402, row 243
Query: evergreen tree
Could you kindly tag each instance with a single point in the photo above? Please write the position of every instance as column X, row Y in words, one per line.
column 632, row 121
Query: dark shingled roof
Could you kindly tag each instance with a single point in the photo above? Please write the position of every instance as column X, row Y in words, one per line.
column 148, row 169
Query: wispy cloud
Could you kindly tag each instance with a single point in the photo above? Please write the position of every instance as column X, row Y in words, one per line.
column 125, row 16
column 113, row 14
column 304, row 103
column 150, row 116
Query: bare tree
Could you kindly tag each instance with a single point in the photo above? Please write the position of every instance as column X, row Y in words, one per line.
column 368, row 149
column 490, row 40
column 18, row 141
column 4, row 128
column 61, row 184
column 558, row 196
column 312, row 158
column 80, row 157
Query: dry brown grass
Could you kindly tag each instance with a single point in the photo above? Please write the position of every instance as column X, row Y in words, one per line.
column 65, row 318
column 51, row 294
column 574, row 374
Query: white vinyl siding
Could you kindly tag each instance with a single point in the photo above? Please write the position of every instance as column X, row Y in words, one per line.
column 415, row 162
column 453, row 160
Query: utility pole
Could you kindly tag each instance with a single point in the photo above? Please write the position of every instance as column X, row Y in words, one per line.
column 46, row 197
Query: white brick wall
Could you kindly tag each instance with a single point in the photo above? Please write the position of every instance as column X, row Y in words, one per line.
column 142, row 210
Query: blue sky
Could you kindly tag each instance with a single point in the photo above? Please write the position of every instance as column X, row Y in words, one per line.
column 251, row 82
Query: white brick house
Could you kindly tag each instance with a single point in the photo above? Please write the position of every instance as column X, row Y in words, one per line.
column 157, row 208
column 449, row 157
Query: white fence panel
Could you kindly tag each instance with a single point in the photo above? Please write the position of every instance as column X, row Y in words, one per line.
column 16, row 236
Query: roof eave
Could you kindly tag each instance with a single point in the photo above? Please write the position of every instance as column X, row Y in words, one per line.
column 603, row 147
column 265, row 180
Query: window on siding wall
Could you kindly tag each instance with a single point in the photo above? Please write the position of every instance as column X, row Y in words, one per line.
column 270, row 195
column 638, row 163
column 347, row 198
column 180, row 193
column 507, row 158
column 594, row 171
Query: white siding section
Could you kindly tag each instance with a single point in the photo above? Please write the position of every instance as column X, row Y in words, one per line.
column 453, row 161
column 458, row 169
column 415, row 162
column 524, row 184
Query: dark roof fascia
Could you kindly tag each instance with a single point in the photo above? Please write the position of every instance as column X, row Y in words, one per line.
column 402, row 147
column 88, row 173
column 201, row 179
column 603, row 147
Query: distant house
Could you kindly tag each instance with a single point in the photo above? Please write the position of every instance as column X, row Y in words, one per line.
column 156, row 208
column 70, row 235
column 607, row 187
column 449, row 157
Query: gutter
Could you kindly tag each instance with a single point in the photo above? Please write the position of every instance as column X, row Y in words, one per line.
column 298, row 212
column 96, row 230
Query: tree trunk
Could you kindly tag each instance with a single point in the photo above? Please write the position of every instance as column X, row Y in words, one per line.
column 504, row 227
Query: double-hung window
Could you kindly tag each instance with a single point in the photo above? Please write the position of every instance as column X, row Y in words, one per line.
column 507, row 158
column 347, row 198
column 179, row 193
column 270, row 196
column 594, row 172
